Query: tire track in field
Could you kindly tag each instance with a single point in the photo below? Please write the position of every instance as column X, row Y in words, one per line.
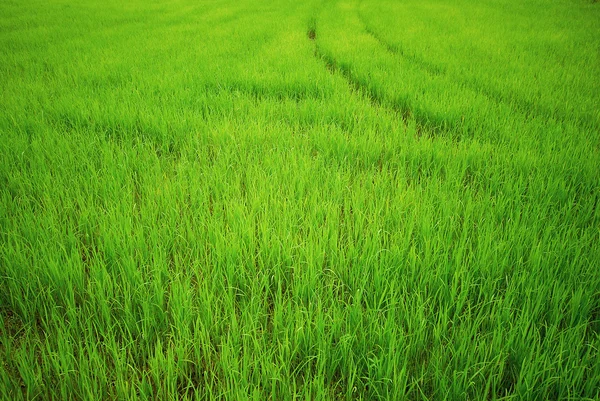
column 397, row 50
column 376, row 100
column 514, row 103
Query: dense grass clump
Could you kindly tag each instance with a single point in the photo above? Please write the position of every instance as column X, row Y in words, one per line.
column 321, row 200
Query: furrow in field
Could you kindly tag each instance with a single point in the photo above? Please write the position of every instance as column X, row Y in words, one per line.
column 420, row 93
column 437, row 103
column 405, row 114
column 512, row 100
column 397, row 50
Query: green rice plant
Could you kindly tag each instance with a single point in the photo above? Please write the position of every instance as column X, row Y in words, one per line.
column 280, row 200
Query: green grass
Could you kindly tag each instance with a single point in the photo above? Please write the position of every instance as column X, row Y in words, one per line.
column 322, row 200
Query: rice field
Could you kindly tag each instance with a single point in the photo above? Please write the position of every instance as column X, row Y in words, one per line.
column 283, row 200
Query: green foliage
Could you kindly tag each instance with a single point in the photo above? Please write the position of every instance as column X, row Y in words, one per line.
column 320, row 200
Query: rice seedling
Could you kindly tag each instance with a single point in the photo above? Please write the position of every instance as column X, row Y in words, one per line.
column 349, row 200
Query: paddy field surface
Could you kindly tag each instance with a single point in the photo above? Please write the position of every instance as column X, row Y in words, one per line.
column 299, row 200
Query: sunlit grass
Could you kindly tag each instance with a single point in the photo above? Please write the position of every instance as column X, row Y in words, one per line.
column 330, row 200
